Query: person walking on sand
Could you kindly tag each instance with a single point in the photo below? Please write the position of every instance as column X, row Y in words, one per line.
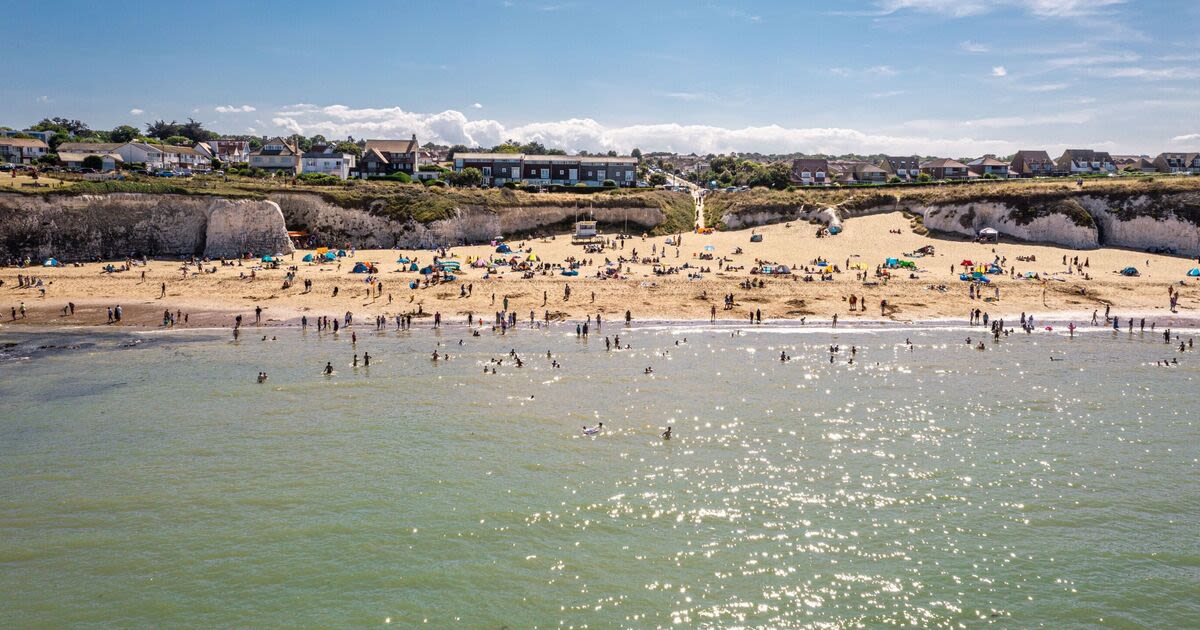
column 163, row 293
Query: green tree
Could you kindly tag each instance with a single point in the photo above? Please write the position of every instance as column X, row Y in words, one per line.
column 123, row 133
column 94, row 162
column 194, row 130
column 71, row 127
column 894, row 179
column 162, row 129
column 637, row 153
column 178, row 140
column 657, row 179
column 349, row 147
column 458, row 148
column 924, row 178
column 467, row 177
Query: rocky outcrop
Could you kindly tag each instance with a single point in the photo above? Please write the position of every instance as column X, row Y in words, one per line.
column 110, row 226
column 330, row 223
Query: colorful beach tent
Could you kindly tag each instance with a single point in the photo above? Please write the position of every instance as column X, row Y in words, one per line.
column 329, row 256
column 504, row 249
column 1195, row 272
column 360, row 267
column 51, row 262
column 307, row 258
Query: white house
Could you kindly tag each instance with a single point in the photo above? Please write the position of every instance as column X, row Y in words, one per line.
column 325, row 160
column 277, row 155
column 74, row 159
column 22, row 150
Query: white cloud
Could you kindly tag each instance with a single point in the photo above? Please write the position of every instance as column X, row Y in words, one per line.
column 1190, row 137
column 137, row 111
column 889, row 94
column 477, row 106
column 43, row 99
column 1149, row 74
column 967, row 8
column 1044, row 87
column 454, row 127
column 873, row 71
column 974, row 47
column 999, row 71
column 231, row 109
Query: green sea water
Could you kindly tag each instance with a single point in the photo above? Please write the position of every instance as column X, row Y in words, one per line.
column 147, row 480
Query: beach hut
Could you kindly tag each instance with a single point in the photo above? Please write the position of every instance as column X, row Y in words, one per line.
column 307, row 258
column 1194, row 273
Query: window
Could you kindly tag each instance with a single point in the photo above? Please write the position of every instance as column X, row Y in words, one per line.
column 545, row 173
column 487, row 171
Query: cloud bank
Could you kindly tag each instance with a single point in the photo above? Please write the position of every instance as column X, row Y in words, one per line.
column 574, row 134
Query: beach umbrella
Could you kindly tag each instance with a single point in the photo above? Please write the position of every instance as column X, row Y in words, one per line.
column 307, row 258
column 967, row 263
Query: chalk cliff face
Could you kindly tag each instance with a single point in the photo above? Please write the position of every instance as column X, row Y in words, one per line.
column 1168, row 223
column 330, row 223
column 122, row 224
column 1149, row 224
column 968, row 219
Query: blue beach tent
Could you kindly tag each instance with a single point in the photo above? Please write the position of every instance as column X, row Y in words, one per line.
column 307, row 258
column 1195, row 272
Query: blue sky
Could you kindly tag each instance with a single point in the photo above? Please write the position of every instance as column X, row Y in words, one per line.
column 955, row 78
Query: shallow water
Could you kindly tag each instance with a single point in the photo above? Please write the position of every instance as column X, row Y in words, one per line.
column 157, row 484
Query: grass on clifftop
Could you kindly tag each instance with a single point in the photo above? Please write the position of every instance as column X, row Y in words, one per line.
column 394, row 200
column 1031, row 198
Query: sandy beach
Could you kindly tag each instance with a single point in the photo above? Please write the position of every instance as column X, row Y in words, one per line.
column 936, row 292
